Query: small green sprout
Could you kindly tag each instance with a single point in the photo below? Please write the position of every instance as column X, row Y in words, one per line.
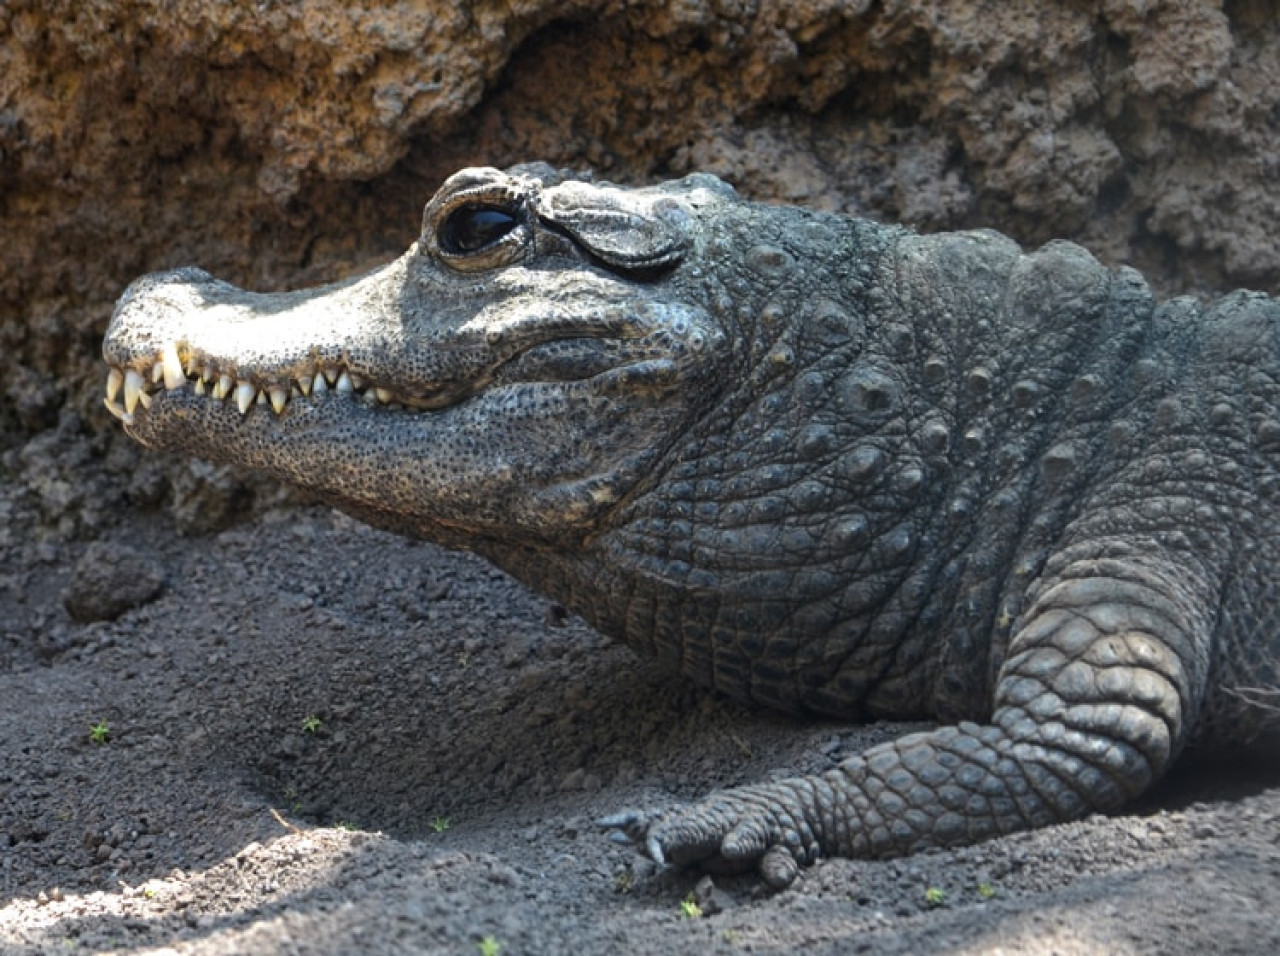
column 99, row 733
column 440, row 824
column 935, row 897
column 689, row 907
column 346, row 825
column 312, row 724
column 986, row 891
column 489, row 946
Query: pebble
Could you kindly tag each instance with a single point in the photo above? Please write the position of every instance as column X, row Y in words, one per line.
column 710, row 898
column 110, row 579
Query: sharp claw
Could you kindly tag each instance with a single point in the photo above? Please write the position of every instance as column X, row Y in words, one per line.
column 632, row 824
column 654, row 849
column 622, row 820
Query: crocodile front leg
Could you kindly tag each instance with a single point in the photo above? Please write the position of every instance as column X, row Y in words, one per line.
column 1092, row 705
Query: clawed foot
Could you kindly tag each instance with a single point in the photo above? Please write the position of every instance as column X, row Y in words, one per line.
column 764, row 828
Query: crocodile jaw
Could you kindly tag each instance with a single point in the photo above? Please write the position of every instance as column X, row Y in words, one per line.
column 429, row 420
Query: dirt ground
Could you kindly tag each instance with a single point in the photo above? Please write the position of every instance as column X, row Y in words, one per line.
column 324, row 739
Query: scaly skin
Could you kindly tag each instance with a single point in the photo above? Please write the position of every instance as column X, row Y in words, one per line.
column 814, row 462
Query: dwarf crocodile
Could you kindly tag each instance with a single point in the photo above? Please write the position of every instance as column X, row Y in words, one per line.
column 813, row 461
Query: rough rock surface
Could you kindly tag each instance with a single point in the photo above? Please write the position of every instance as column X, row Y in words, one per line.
column 280, row 144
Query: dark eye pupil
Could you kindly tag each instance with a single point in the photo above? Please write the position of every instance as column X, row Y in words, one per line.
column 471, row 228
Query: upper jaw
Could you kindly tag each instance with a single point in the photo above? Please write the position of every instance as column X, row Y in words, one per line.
column 184, row 329
column 378, row 339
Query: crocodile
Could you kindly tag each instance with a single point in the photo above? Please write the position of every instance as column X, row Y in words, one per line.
column 819, row 463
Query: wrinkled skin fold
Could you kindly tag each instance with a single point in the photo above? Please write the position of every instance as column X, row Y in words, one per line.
column 814, row 462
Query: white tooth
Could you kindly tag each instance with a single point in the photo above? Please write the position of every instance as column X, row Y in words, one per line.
column 295, row 392
column 304, row 384
column 261, row 398
column 115, row 381
column 199, row 387
column 245, row 394
column 174, row 376
column 224, row 387
column 319, row 389
column 157, row 373
column 357, row 381
column 384, row 395
column 279, row 397
column 343, row 384
column 115, row 409
column 132, row 389
column 206, row 373
column 330, row 375
column 145, row 399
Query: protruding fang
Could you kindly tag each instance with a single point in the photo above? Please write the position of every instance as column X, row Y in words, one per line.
column 145, row 399
column 279, row 398
column 114, row 408
column 245, row 394
column 115, row 381
column 357, row 381
column 384, row 395
column 225, row 384
column 304, row 384
column 260, row 398
column 319, row 389
column 344, row 383
column 174, row 376
column 199, row 387
column 330, row 375
column 157, row 373
column 206, row 374
column 132, row 389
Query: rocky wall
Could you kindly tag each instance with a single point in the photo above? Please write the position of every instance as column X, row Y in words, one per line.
column 282, row 143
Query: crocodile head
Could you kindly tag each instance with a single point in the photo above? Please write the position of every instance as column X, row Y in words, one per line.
column 512, row 375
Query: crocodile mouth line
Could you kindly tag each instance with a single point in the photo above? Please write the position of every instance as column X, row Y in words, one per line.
column 133, row 386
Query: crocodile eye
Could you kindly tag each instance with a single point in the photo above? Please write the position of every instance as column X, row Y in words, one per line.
column 472, row 228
